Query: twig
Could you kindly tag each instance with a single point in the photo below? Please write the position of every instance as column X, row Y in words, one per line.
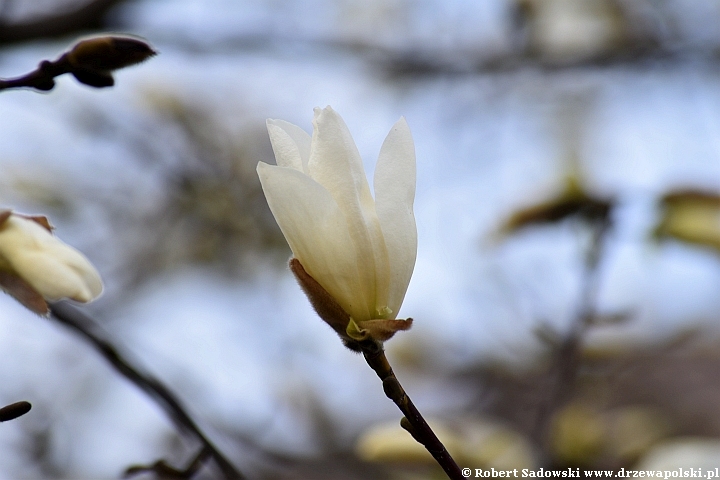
column 91, row 331
column 413, row 421
column 42, row 78
column 163, row 470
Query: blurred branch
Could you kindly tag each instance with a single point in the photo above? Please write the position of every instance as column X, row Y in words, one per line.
column 87, row 16
column 163, row 470
column 567, row 355
column 87, row 328
column 413, row 421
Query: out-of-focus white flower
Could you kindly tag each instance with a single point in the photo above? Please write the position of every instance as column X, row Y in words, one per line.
column 361, row 251
column 35, row 266
column 683, row 452
column 567, row 31
column 479, row 441
column 389, row 442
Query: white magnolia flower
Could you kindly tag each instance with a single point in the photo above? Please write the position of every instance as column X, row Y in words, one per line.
column 360, row 250
column 36, row 266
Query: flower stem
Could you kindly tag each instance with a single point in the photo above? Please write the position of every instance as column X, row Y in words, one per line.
column 413, row 421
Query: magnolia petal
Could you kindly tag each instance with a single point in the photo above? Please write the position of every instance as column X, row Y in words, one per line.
column 394, row 196
column 56, row 279
column 291, row 144
column 335, row 163
column 51, row 267
column 317, row 233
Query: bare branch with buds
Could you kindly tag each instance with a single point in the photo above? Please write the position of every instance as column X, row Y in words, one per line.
column 91, row 61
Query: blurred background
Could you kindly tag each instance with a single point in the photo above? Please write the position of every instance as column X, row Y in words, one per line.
column 566, row 295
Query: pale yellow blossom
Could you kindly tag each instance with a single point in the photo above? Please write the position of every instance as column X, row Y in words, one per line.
column 33, row 262
column 360, row 249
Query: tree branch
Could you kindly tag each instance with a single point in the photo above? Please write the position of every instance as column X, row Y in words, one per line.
column 87, row 328
column 566, row 359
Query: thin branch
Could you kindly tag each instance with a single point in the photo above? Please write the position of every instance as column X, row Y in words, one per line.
column 413, row 421
column 87, row 328
column 163, row 470
column 42, row 78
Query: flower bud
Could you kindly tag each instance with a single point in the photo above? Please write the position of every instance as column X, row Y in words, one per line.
column 94, row 79
column 92, row 60
column 36, row 267
column 108, row 53
column 353, row 254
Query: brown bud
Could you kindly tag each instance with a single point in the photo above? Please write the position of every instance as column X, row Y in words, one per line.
column 91, row 78
column 408, row 427
column 108, row 53
column 14, row 410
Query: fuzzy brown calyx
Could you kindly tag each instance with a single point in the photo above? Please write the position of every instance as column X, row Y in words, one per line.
column 354, row 334
column 23, row 292
column 324, row 304
column 379, row 329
